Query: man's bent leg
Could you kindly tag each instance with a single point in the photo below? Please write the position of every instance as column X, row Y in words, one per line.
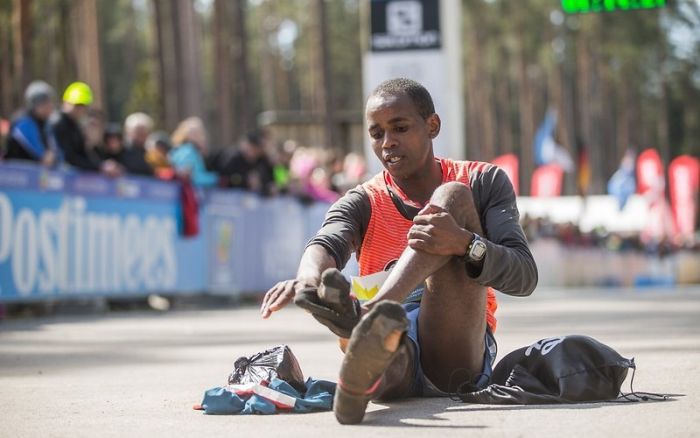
column 413, row 267
column 451, row 327
column 453, row 308
column 375, row 343
column 452, row 319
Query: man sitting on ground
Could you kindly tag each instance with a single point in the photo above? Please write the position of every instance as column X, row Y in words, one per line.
column 448, row 232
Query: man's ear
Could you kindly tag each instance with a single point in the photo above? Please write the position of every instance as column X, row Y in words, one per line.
column 434, row 124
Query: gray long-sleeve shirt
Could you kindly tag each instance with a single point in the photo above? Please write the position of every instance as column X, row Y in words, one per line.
column 508, row 265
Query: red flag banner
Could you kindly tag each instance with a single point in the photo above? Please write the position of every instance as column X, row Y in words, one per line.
column 547, row 181
column 684, row 179
column 509, row 164
column 650, row 172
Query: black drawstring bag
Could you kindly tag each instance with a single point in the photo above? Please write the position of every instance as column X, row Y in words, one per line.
column 276, row 362
column 566, row 369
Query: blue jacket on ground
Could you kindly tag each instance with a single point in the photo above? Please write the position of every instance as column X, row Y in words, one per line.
column 318, row 397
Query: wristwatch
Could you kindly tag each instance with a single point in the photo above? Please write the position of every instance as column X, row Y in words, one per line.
column 476, row 250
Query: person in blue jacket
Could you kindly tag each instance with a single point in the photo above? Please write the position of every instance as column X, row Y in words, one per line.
column 189, row 145
column 31, row 137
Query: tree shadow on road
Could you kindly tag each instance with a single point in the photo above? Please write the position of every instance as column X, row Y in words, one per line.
column 421, row 413
column 576, row 406
column 427, row 412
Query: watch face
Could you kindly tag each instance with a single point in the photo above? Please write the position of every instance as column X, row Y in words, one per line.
column 478, row 250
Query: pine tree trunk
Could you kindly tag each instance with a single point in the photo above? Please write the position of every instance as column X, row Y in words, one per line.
column 527, row 122
column 475, row 118
column 595, row 105
column 22, row 47
column 624, row 119
column 86, row 45
column 6, row 98
column 608, row 113
column 504, row 139
column 165, row 14
column 244, row 109
column 325, row 91
column 223, row 73
column 67, row 57
column 268, row 61
column 190, row 78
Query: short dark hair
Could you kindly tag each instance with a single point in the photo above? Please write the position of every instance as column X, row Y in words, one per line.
column 255, row 138
column 415, row 91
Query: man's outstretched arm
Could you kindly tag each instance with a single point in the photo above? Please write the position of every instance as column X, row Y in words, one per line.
column 314, row 261
column 340, row 235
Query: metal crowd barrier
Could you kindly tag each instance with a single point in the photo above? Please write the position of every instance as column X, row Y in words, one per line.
column 65, row 234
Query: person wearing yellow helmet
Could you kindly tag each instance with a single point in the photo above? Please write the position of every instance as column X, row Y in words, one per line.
column 69, row 133
column 78, row 93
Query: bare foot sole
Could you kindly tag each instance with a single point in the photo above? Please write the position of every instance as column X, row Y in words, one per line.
column 373, row 345
column 331, row 304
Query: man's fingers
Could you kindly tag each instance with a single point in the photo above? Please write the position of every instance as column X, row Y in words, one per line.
column 271, row 297
column 281, row 301
column 430, row 208
column 283, row 297
column 418, row 233
column 418, row 244
column 423, row 219
column 268, row 296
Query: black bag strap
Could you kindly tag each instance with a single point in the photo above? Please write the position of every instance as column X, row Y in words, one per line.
column 641, row 396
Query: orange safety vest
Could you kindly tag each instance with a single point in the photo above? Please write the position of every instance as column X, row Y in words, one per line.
column 385, row 238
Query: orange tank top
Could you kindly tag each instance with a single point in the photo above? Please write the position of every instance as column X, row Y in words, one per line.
column 385, row 238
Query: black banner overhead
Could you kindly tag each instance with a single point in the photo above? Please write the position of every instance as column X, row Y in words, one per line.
column 405, row 25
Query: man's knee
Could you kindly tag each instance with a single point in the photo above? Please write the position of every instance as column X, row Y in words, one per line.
column 457, row 199
column 450, row 192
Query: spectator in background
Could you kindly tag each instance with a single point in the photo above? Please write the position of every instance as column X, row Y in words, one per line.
column 281, row 172
column 31, row 136
column 309, row 168
column 94, row 126
column 4, row 133
column 112, row 147
column 354, row 172
column 69, row 134
column 319, row 186
column 247, row 168
column 137, row 127
column 157, row 148
column 189, row 148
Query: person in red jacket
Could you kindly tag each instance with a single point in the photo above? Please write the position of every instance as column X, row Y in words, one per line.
column 445, row 233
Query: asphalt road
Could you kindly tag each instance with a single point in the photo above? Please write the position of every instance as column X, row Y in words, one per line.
column 139, row 373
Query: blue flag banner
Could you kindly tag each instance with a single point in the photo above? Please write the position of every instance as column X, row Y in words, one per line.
column 543, row 138
column 547, row 150
column 622, row 184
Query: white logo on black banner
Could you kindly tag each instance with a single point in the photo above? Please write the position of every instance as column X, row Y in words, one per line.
column 404, row 18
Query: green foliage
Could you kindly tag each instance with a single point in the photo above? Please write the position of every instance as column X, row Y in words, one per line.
column 143, row 95
column 124, row 43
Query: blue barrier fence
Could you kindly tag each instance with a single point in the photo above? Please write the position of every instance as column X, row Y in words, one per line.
column 73, row 234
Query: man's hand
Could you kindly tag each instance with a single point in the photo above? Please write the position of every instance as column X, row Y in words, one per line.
column 280, row 295
column 435, row 231
column 111, row 168
column 49, row 158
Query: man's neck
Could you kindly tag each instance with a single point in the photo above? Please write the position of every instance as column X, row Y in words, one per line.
column 420, row 188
